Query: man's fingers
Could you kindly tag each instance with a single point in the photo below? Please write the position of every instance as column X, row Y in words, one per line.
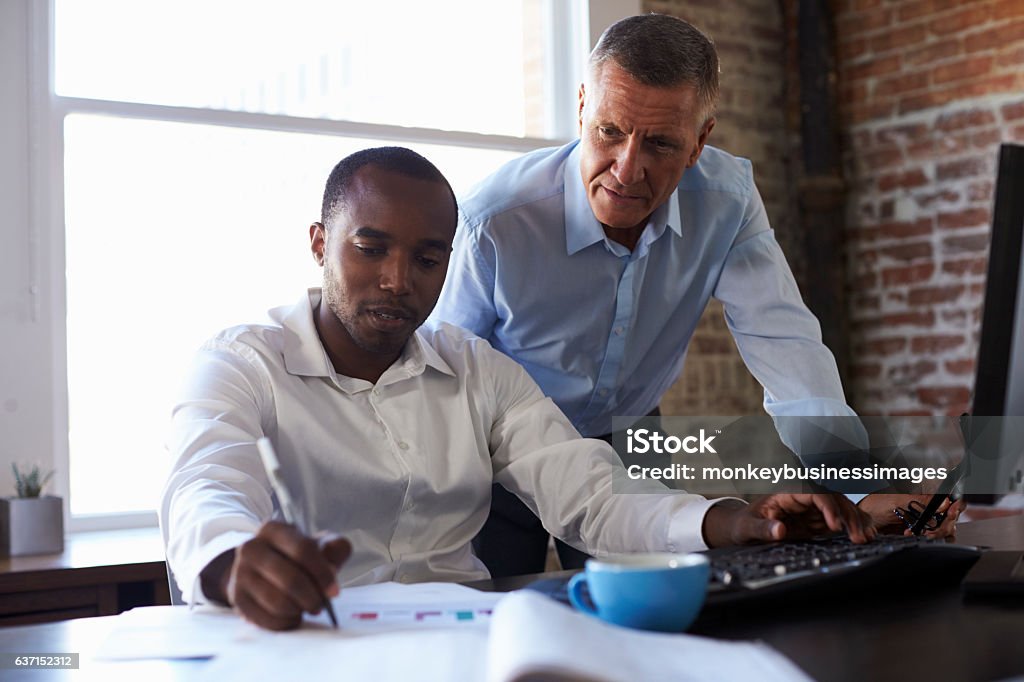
column 751, row 528
column 281, row 584
column 336, row 550
column 252, row 599
column 302, row 550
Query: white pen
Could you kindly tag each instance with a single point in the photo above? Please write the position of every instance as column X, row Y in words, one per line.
column 291, row 514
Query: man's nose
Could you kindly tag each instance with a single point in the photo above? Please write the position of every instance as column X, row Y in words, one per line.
column 395, row 275
column 628, row 168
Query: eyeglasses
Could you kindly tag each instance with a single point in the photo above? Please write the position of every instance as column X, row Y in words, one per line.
column 911, row 517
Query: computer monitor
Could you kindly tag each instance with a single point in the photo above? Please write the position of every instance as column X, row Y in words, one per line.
column 995, row 438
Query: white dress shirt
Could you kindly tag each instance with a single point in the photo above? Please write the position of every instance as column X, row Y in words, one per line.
column 402, row 467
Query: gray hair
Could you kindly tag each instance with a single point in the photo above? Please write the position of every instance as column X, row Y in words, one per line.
column 662, row 51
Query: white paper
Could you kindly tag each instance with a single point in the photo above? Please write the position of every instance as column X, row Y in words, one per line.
column 533, row 634
column 174, row 632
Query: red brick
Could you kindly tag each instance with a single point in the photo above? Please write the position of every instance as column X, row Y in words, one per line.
column 907, row 180
column 855, row 24
column 899, row 38
column 935, row 344
column 938, row 294
column 907, row 252
column 946, row 145
column 972, row 118
column 916, row 9
column 972, row 67
column 933, row 52
column 849, row 50
column 980, row 191
column 969, row 217
column 865, row 302
column 874, row 67
column 957, row 318
column 1007, row 9
column 967, row 243
column 870, row 111
column 1017, row 134
column 882, row 158
column 887, row 209
column 911, row 373
column 946, row 195
column 866, row 370
column 853, row 92
column 1010, row 82
column 1012, row 112
column 995, row 37
column 945, row 396
column 918, row 318
column 899, row 85
column 926, row 100
column 904, row 229
column 962, row 367
column 973, row 15
column 1010, row 57
column 970, row 266
column 977, row 290
column 987, row 138
column 962, row 168
column 882, row 347
column 898, row 134
column 909, row 274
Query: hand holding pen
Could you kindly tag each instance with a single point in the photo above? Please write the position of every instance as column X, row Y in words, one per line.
column 282, row 572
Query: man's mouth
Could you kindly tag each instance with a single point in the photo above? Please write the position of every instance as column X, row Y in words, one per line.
column 619, row 196
column 388, row 318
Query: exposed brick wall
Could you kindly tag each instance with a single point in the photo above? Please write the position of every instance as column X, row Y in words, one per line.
column 929, row 89
column 751, row 123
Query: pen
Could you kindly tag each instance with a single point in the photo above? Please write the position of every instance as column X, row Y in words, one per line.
column 291, row 515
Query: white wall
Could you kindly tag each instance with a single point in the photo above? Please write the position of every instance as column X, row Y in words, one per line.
column 28, row 404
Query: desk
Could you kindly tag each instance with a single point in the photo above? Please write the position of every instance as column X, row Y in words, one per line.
column 98, row 574
column 940, row 637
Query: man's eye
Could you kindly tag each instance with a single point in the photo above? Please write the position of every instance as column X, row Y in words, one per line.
column 370, row 250
column 429, row 262
column 608, row 132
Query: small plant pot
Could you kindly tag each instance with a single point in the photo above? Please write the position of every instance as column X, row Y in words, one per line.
column 31, row 525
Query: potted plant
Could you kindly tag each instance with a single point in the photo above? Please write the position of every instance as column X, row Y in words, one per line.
column 31, row 523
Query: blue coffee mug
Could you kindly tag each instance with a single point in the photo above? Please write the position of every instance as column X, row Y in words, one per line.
column 662, row 592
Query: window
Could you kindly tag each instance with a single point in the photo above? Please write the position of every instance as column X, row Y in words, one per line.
column 196, row 138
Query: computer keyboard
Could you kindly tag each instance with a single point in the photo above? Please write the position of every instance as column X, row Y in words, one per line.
column 808, row 568
column 760, row 570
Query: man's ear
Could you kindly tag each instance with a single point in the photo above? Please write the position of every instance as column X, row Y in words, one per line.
column 579, row 113
column 702, row 139
column 317, row 241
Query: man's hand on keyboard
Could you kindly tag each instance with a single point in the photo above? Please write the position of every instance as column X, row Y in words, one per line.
column 776, row 517
column 881, row 506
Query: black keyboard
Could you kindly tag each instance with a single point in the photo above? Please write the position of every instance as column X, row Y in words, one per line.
column 826, row 565
column 761, row 570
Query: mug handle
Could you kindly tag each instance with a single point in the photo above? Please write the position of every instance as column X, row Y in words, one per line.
column 576, row 594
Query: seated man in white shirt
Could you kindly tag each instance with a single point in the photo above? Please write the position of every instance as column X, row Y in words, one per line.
column 393, row 434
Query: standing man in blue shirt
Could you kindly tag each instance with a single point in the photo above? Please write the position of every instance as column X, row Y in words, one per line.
column 591, row 264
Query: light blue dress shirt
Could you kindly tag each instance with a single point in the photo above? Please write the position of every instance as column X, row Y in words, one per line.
column 603, row 330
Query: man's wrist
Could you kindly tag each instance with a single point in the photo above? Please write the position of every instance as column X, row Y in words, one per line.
column 213, row 579
column 718, row 522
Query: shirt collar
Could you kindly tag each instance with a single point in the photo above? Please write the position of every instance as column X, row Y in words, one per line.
column 304, row 353
column 582, row 227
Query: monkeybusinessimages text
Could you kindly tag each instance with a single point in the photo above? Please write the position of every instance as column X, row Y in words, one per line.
column 644, row 441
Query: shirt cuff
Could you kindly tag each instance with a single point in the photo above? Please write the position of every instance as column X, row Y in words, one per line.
column 686, row 528
column 191, row 589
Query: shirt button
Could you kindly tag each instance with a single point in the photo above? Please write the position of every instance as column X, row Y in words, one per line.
column 603, row 392
column 402, row 445
column 618, row 331
column 405, row 579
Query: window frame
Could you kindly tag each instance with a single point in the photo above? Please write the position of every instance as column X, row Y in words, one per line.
column 569, row 33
